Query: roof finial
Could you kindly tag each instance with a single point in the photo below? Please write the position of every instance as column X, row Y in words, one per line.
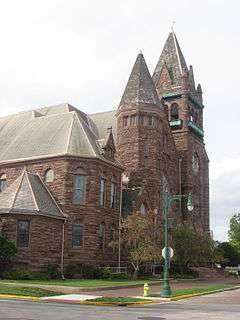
column 141, row 51
column 173, row 23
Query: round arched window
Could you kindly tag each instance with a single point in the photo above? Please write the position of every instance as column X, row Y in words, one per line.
column 49, row 175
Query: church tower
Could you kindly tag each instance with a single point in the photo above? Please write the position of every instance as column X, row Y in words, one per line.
column 144, row 138
column 175, row 85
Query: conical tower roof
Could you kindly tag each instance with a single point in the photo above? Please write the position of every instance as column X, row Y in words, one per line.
column 28, row 194
column 140, row 88
column 173, row 58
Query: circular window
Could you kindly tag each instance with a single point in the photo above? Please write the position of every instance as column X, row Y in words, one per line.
column 195, row 163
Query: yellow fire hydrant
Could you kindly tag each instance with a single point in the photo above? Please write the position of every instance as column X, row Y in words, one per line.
column 145, row 289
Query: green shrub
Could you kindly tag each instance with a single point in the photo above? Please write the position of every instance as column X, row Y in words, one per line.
column 8, row 252
column 18, row 274
column 86, row 271
column 52, row 271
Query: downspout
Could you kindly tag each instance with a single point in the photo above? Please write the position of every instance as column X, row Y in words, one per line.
column 62, row 251
column 119, row 228
column 180, row 184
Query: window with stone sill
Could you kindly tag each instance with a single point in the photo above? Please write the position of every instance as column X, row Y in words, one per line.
column 102, row 191
column 113, row 195
column 77, row 235
column 102, row 234
column 49, row 175
column 113, row 238
column 79, row 186
column 3, row 182
column 23, row 230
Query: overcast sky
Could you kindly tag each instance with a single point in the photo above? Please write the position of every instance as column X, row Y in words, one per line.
column 82, row 52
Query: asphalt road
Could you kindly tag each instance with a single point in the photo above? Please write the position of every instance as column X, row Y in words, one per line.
column 225, row 305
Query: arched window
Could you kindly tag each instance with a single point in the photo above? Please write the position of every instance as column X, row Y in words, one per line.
column 112, row 237
column 143, row 209
column 3, row 181
column 102, row 232
column 77, row 234
column 79, row 186
column 113, row 195
column 49, row 175
column 102, row 195
column 174, row 112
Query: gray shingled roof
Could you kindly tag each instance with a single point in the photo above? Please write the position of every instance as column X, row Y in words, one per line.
column 47, row 132
column 28, row 194
column 140, row 87
column 104, row 120
column 173, row 58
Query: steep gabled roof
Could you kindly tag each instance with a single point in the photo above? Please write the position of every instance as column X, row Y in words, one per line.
column 140, row 87
column 173, row 58
column 28, row 194
column 48, row 132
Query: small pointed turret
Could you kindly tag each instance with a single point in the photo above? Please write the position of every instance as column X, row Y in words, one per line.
column 173, row 58
column 140, row 88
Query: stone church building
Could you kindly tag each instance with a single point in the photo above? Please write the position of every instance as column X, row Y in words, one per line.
column 67, row 178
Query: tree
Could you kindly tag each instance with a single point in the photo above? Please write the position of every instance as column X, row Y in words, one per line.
column 8, row 251
column 191, row 248
column 140, row 239
column 230, row 254
column 234, row 231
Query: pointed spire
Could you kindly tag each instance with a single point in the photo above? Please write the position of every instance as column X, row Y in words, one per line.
column 140, row 87
column 173, row 58
column 191, row 78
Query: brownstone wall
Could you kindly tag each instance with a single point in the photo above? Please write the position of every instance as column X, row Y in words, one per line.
column 90, row 214
column 161, row 159
column 44, row 243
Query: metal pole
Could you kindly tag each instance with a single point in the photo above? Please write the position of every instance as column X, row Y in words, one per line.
column 119, row 228
column 166, row 292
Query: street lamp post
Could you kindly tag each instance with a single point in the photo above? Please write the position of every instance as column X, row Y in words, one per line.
column 168, row 199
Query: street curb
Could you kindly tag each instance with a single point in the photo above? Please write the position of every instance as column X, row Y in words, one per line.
column 187, row 296
column 15, row 297
column 12, row 296
column 103, row 304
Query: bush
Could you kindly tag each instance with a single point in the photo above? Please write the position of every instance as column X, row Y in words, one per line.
column 18, row 274
column 86, row 271
column 52, row 271
column 8, row 252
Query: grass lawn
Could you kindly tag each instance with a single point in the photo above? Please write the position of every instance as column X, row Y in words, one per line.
column 209, row 288
column 119, row 300
column 22, row 291
column 84, row 283
column 181, row 292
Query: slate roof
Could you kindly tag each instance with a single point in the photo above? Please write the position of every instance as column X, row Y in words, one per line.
column 28, row 194
column 140, row 87
column 49, row 131
column 104, row 120
column 173, row 58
